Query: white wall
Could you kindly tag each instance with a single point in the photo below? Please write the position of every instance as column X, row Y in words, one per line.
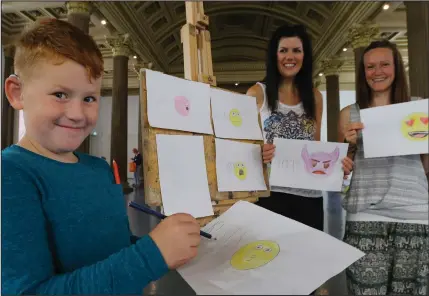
column 100, row 143
column 347, row 97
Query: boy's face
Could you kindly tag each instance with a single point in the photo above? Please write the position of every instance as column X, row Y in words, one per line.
column 60, row 105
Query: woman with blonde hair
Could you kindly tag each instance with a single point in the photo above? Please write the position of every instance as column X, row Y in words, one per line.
column 387, row 203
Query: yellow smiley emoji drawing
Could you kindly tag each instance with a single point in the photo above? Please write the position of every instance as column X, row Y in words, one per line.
column 240, row 170
column 255, row 255
column 235, row 117
column 415, row 126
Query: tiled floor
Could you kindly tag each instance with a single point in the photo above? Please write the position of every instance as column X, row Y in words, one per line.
column 173, row 284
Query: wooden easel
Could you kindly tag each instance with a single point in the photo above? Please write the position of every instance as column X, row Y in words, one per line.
column 197, row 51
column 197, row 67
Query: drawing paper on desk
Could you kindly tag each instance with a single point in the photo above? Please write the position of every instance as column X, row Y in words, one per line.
column 178, row 104
column 239, row 166
column 183, row 175
column 235, row 116
column 308, row 164
column 260, row 252
column 398, row 129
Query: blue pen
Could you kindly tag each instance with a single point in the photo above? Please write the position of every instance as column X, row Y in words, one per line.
column 149, row 211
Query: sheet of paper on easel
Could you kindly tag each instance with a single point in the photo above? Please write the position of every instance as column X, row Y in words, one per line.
column 239, row 166
column 398, row 129
column 262, row 253
column 235, row 116
column 308, row 164
column 178, row 104
column 183, row 175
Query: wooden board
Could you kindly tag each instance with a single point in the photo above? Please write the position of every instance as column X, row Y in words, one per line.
column 152, row 189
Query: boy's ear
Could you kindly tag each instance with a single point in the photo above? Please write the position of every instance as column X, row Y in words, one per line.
column 13, row 90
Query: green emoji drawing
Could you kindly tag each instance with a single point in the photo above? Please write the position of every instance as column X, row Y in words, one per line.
column 235, row 117
column 240, row 170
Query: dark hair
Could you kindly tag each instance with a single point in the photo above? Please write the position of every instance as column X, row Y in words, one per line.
column 400, row 91
column 303, row 79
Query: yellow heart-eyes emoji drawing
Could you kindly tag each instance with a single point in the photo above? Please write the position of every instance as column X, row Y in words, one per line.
column 414, row 127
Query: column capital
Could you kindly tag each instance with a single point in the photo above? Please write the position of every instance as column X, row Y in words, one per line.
column 331, row 66
column 81, row 7
column 361, row 35
column 139, row 64
column 121, row 44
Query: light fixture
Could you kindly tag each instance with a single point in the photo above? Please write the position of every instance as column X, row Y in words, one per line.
column 103, row 22
column 236, row 84
column 320, row 74
column 135, row 57
column 344, row 49
column 386, row 6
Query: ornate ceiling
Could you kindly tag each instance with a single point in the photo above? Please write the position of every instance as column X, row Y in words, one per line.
column 239, row 31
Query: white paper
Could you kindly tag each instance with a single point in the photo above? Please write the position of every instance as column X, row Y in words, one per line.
column 286, row 257
column 239, row 166
column 398, row 129
column 235, row 116
column 183, row 175
column 178, row 104
column 308, row 164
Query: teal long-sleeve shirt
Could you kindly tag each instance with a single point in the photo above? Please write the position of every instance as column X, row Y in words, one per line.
column 65, row 230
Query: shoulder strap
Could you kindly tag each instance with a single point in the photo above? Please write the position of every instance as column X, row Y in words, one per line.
column 354, row 112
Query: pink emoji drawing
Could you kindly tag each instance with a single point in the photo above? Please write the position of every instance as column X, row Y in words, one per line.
column 320, row 163
column 182, row 105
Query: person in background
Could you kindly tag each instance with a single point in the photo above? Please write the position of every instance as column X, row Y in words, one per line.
column 387, row 202
column 290, row 108
column 64, row 226
column 137, row 159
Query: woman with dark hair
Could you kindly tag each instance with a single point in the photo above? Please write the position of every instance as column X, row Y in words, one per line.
column 387, row 202
column 290, row 108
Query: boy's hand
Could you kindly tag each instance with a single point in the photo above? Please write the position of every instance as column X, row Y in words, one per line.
column 268, row 152
column 178, row 238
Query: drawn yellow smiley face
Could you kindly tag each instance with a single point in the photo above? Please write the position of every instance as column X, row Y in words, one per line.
column 240, row 170
column 235, row 117
column 255, row 255
column 414, row 127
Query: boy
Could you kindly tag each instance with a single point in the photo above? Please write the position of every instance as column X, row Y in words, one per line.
column 64, row 225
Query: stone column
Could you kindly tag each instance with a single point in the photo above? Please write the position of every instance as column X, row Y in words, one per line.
column 78, row 14
column 418, row 47
column 331, row 69
column 360, row 36
column 121, row 48
column 8, row 113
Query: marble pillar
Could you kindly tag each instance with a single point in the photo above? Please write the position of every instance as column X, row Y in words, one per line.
column 360, row 36
column 331, row 69
column 418, row 47
column 78, row 14
column 8, row 113
column 121, row 48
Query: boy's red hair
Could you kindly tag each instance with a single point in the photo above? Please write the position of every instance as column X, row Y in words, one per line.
column 53, row 40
